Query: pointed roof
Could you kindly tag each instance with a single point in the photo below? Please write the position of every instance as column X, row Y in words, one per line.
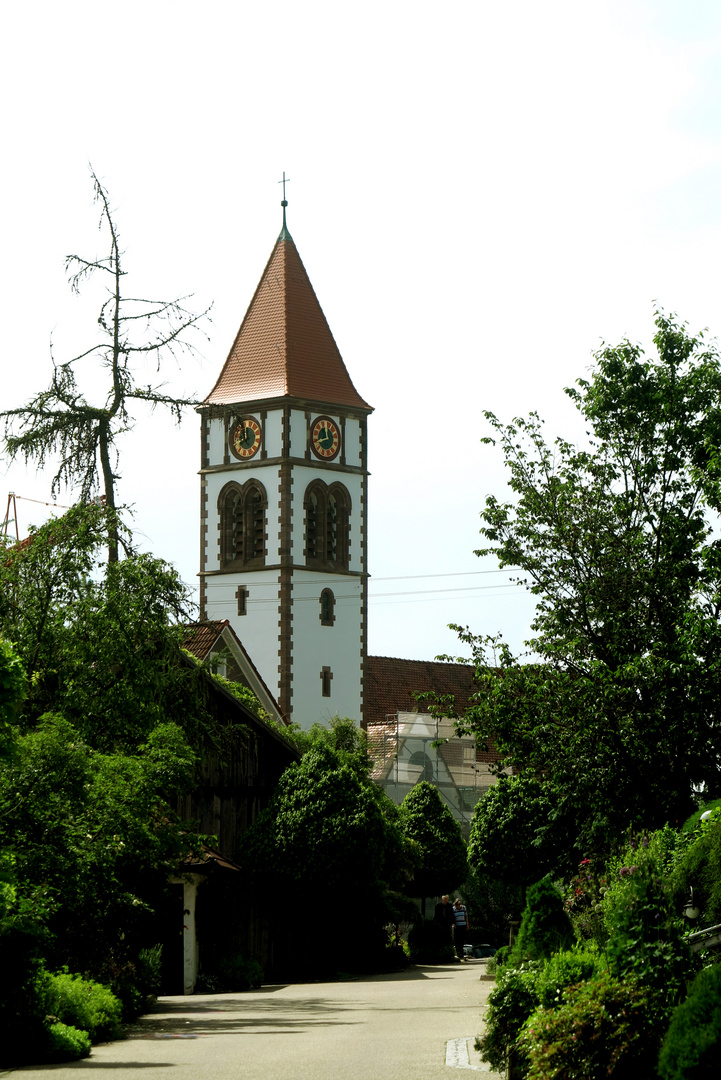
column 284, row 347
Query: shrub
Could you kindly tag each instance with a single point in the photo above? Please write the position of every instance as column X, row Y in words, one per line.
column 428, row 943
column 645, row 936
column 545, row 926
column 150, row 970
column 582, row 902
column 568, row 968
column 66, row 1043
column 700, row 867
column 604, row 1027
column 235, row 973
column 84, row 1004
column 692, row 1047
column 509, row 1006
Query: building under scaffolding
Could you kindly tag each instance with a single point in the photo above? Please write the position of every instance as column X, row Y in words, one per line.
column 410, row 746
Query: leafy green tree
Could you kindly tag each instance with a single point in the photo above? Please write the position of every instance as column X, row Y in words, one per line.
column 329, row 855
column 545, row 927
column 427, row 821
column 517, row 832
column 100, row 643
column 61, row 421
column 94, row 838
column 618, row 710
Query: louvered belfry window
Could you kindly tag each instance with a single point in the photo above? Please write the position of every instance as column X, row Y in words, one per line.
column 242, row 525
column 327, row 520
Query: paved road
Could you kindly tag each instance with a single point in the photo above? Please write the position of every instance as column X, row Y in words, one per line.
column 404, row 1026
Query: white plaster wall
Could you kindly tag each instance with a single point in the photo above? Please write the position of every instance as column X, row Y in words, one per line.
column 316, row 646
column 258, row 629
column 216, row 441
column 352, row 442
column 298, row 433
column 273, row 427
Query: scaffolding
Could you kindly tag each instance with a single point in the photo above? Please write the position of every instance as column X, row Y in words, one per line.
column 410, row 747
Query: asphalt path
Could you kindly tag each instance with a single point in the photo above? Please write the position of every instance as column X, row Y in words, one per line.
column 416, row 1024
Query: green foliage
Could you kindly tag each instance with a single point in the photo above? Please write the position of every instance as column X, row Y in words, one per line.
column 713, row 807
column 242, row 693
column 99, row 643
column 645, row 936
column 65, row 1043
column 491, row 903
column 516, row 835
column 23, row 937
column 342, row 736
column 428, row 944
column 584, row 902
column 615, row 540
column 510, row 1004
column 85, row 1004
column 95, row 833
column 331, row 841
column 12, row 692
column 233, row 974
column 545, row 926
column 604, row 1027
column 426, row 820
column 699, row 867
column 692, row 1047
column 568, row 968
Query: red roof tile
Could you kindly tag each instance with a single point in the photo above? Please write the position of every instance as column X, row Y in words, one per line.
column 284, row 347
column 200, row 638
column 389, row 684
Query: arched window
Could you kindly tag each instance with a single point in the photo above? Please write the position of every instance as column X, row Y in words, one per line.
column 327, row 522
column 242, row 524
column 327, row 607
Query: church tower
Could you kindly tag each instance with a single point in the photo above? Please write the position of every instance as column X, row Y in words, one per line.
column 284, row 499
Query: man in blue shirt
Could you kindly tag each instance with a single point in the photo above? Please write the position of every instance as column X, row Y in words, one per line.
column 462, row 926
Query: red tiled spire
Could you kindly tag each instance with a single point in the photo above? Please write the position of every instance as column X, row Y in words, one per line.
column 284, row 347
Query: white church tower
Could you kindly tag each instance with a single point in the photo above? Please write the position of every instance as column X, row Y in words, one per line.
column 284, row 499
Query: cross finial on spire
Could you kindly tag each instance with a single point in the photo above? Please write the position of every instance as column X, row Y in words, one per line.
column 285, row 201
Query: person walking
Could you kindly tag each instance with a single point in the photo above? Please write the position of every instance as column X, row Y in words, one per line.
column 461, row 927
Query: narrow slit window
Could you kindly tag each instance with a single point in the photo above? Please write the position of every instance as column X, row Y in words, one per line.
column 327, row 607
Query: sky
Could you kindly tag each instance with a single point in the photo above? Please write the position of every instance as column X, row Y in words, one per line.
column 481, row 194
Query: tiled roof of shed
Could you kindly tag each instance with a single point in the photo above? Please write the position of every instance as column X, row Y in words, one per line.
column 199, row 638
column 284, row 347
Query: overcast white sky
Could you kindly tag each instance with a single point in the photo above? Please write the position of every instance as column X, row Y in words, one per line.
column 481, row 193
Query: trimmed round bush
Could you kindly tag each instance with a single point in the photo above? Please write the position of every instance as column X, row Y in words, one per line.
column 692, row 1047
column 545, row 926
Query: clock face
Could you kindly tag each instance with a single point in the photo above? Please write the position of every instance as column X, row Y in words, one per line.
column 325, row 438
column 245, row 437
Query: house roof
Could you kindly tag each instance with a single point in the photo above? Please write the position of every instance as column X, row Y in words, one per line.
column 389, row 686
column 214, row 635
column 284, row 347
column 390, row 682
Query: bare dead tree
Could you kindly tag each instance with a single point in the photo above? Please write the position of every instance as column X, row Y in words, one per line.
column 60, row 422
